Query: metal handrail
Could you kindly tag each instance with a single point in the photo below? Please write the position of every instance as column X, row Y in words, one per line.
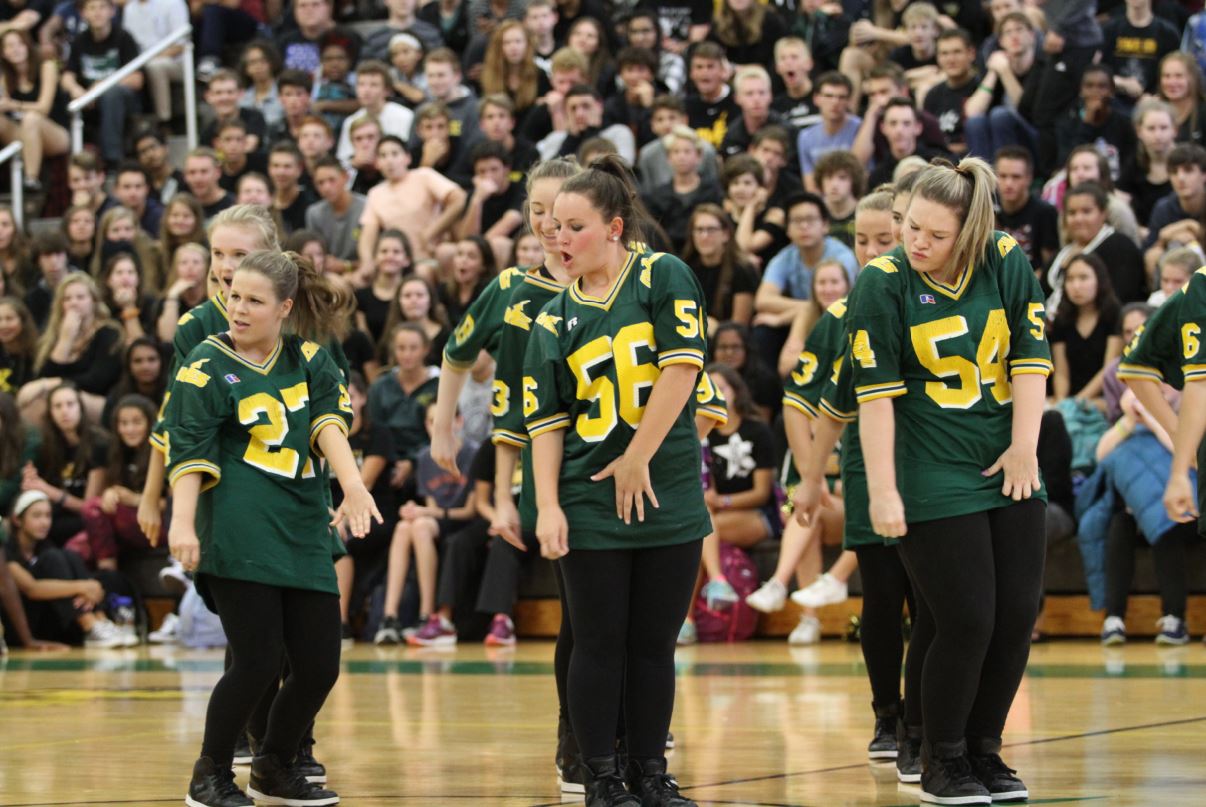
column 185, row 33
column 13, row 152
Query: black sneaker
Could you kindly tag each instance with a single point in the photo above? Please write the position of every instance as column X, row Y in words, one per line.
column 213, row 786
column 242, row 753
column 390, row 631
column 998, row 777
column 669, row 740
column 273, row 782
column 307, row 765
column 648, row 779
column 604, row 787
column 570, row 776
column 883, row 743
column 908, row 752
column 949, row 779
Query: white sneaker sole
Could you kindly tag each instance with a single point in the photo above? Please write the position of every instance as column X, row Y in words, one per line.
column 802, row 599
column 928, row 798
column 876, row 756
column 570, row 787
column 317, row 780
column 262, row 799
column 1013, row 795
column 907, row 778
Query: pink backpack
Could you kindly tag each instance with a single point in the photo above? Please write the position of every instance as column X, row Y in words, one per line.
column 736, row 623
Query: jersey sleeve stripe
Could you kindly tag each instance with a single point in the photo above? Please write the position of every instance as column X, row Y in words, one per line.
column 326, row 420
column 681, row 356
column 501, row 437
column 833, row 413
column 552, row 423
column 1196, row 372
column 720, row 415
column 874, row 392
column 1139, row 372
column 800, row 404
column 158, row 440
column 196, row 467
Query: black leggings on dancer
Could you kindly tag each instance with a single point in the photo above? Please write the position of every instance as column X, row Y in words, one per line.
column 627, row 606
column 264, row 624
column 981, row 576
column 885, row 590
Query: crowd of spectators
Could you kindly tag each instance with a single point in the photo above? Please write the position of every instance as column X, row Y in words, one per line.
column 391, row 142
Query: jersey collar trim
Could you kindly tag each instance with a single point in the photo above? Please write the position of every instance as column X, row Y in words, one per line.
column 263, row 369
column 538, row 279
column 220, row 304
column 606, row 301
column 954, row 290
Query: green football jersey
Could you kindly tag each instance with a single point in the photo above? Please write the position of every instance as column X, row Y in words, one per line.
column 710, row 402
column 803, row 386
column 481, row 326
column 1154, row 353
column 524, row 304
column 947, row 353
column 250, row 429
column 589, row 369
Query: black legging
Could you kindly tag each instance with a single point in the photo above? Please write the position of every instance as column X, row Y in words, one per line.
column 264, row 624
column 1168, row 556
column 627, row 606
column 920, row 639
column 885, row 590
column 981, row 576
column 563, row 651
column 58, row 620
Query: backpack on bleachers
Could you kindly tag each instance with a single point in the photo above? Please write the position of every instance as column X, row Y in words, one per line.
column 737, row 622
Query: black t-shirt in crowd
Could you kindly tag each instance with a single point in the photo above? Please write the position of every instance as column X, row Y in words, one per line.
column 711, row 119
column 945, row 103
column 217, row 207
column 98, row 367
column 736, row 456
column 1125, row 262
column 743, row 281
column 72, row 476
column 358, row 349
column 1035, row 227
column 1144, row 194
column 375, row 311
column 1135, row 52
column 93, row 60
column 904, row 57
column 1085, row 354
column 257, row 163
column 294, row 216
column 677, row 17
column 494, row 207
column 14, row 371
column 798, row 112
column 843, row 229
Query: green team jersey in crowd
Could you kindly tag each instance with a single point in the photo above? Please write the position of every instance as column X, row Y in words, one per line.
column 589, row 369
column 481, row 326
column 523, row 306
column 947, row 352
column 1154, row 353
column 250, row 429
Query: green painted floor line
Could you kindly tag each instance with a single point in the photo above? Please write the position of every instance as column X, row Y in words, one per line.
column 541, row 668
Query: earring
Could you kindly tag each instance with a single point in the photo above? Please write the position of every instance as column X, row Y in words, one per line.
column 615, row 238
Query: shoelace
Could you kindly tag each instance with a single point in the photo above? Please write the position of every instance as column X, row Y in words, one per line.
column 959, row 768
column 224, row 782
column 995, row 764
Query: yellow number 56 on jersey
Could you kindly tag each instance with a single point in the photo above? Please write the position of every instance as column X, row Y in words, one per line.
column 621, row 398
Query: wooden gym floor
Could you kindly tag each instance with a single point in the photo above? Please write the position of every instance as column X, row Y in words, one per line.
column 757, row 724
